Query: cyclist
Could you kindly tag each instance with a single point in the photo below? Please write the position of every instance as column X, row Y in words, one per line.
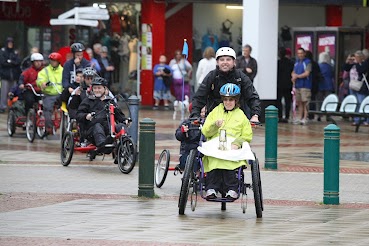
column 49, row 80
column 228, row 116
column 29, row 76
column 69, row 72
column 92, row 113
column 208, row 93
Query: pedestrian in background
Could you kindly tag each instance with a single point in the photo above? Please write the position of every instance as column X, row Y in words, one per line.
column 247, row 63
column 9, row 71
column 162, row 81
column 182, row 71
column 206, row 64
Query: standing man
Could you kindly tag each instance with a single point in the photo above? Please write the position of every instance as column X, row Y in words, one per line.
column 208, row 93
column 9, row 71
column 246, row 63
column 284, row 85
column 302, row 81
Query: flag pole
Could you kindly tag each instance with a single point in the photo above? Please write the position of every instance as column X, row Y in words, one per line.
column 185, row 55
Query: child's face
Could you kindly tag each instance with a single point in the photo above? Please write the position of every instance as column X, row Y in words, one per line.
column 229, row 103
column 203, row 112
column 79, row 78
column 88, row 80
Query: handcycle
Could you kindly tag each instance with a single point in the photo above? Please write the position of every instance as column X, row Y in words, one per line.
column 35, row 122
column 194, row 180
column 123, row 149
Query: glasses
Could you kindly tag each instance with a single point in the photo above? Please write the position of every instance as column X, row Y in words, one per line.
column 228, row 99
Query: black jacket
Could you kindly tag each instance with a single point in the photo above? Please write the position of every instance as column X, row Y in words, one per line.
column 189, row 140
column 100, row 107
column 285, row 68
column 241, row 64
column 208, row 92
column 9, row 64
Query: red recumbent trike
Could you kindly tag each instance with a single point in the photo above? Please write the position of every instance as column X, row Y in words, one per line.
column 123, row 149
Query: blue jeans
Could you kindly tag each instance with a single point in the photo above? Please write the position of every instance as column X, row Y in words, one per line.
column 360, row 97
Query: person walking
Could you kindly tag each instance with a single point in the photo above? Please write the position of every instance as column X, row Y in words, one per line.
column 182, row 71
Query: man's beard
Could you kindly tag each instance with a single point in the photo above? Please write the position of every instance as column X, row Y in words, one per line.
column 98, row 95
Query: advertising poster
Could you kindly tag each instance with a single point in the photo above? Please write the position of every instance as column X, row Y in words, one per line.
column 327, row 43
column 304, row 40
column 146, row 48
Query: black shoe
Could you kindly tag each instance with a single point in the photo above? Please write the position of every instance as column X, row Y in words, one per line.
column 166, row 107
column 177, row 170
column 92, row 155
column 2, row 111
column 155, row 108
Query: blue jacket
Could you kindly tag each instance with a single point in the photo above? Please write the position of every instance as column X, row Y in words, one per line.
column 68, row 72
column 299, row 68
column 327, row 73
column 159, row 83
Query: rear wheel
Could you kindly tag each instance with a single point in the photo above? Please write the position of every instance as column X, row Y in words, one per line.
column 186, row 181
column 126, row 155
column 11, row 123
column 31, row 125
column 67, row 148
column 63, row 125
column 161, row 168
column 256, row 187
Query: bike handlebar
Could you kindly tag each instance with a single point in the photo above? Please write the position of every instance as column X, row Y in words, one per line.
column 33, row 90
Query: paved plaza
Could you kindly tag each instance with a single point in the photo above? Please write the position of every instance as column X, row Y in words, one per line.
column 92, row 203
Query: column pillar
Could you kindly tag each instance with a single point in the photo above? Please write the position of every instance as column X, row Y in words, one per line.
column 153, row 12
column 260, row 30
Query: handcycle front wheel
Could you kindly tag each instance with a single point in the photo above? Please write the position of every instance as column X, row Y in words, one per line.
column 161, row 168
column 256, row 187
column 11, row 123
column 40, row 127
column 31, row 125
column 186, row 181
column 67, row 149
column 126, row 154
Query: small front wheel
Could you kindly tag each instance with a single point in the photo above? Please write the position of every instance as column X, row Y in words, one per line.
column 11, row 123
column 67, row 148
column 31, row 125
column 161, row 168
column 126, row 155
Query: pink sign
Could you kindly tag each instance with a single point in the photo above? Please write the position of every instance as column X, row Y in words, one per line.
column 327, row 43
column 304, row 41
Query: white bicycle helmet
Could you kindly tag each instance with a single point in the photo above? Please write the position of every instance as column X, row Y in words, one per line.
column 37, row 57
column 225, row 51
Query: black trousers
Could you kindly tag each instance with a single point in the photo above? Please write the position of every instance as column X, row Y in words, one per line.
column 98, row 133
column 29, row 99
column 222, row 180
column 286, row 93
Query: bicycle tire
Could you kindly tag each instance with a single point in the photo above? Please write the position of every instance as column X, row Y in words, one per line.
column 161, row 168
column 186, row 181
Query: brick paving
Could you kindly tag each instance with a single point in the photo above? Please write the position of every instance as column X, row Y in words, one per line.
column 92, row 203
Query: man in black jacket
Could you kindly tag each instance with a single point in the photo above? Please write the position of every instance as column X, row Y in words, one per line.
column 284, row 85
column 247, row 63
column 9, row 71
column 93, row 113
column 226, row 72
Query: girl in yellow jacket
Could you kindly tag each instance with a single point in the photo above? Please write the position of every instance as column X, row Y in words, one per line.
column 49, row 80
column 221, row 176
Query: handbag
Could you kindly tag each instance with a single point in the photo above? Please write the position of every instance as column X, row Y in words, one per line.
column 356, row 85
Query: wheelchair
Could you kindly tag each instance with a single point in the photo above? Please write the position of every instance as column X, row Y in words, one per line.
column 194, row 181
column 123, row 149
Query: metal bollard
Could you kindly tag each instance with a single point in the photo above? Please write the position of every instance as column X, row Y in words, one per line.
column 271, row 137
column 331, row 164
column 147, row 158
column 133, row 103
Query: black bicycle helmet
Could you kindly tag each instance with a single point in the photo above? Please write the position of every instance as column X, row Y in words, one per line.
column 89, row 71
column 79, row 70
column 99, row 81
column 77, row 47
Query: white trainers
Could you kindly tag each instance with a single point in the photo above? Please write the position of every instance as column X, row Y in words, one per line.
column 211, row 194
column 304, row 122
column 232, row 194
column 296, row 122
